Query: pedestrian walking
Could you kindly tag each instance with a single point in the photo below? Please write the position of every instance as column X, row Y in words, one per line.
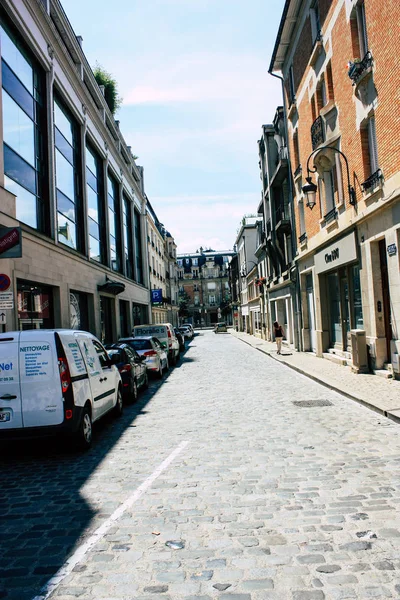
column 278, row 333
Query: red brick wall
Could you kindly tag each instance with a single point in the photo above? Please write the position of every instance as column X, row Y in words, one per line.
column 383, row 20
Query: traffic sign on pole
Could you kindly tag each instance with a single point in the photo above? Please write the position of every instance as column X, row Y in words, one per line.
column 5, row 282
column 3, row 318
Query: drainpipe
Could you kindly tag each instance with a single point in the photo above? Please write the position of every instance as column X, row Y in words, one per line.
column 299, row 314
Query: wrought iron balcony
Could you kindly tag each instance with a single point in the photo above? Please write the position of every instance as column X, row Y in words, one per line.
column 297, row 171
column 331, row 215
column 282, row 219
column 358, row 68
column 317, row 132
column 303, row 238
column 372, row 181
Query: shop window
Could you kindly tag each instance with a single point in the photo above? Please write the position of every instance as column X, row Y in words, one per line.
column 358, row 320
column 362, row 37
column 106, row 316
column 68, row 176
column 292, row 96
column 128, row 242
column 296, row 149
column 114, row 223
column 95, row 204
column 24, row 131
column 35, row 306
column 78, row 311
column 321, row 94
column 329, row 81
column 124, row 318
column 138, row 248
column 315, row 21
column 369, row 148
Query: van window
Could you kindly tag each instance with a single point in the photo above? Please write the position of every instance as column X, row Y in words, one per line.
column 102, row 354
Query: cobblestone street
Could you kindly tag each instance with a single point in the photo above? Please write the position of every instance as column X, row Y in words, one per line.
column 276, row 487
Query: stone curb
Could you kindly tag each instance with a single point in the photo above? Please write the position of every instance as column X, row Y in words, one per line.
column 365, row 403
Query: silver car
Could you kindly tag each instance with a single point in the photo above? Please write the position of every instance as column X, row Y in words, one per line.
column 150, row 347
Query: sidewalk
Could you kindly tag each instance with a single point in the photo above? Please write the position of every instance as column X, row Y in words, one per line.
column 376, row 393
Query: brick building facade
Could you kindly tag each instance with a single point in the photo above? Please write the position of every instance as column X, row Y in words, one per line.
column 337, row 59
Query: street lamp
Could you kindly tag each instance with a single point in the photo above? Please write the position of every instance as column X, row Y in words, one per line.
column 310, row 189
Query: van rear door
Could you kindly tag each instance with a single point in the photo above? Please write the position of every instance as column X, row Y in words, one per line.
column 42, row 400
column 10, row 390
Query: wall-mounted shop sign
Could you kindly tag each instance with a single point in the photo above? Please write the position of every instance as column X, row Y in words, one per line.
column 10, row 242
column 339, row 253
column 392, row 249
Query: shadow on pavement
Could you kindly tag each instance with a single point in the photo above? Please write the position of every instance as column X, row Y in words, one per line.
column 43, row 514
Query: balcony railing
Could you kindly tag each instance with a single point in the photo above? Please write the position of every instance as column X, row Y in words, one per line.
column 331, row 215
column 372, row 180
column 282, row 217
column 297, row 171
column 317, row 132
column 358, row 68
column 282, row 155
column 303, row 238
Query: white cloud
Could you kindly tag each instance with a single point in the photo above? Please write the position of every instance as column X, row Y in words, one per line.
column 208, row 221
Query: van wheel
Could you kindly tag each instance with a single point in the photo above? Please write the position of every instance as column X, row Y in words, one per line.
column 85, row 432
column 119, row 407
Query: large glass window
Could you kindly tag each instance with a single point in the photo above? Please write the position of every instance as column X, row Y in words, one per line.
column 113, row 223
column 66, row 140
column 94, row 187
column 358, row 321
column 35, row 306
column 23, row 126
column 138, row 248
column 127, row 227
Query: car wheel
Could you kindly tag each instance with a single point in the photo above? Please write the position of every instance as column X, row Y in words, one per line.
column 146, row 381
column 160, row 371
column 85, row 433
column 133, row 391
column 119, row 407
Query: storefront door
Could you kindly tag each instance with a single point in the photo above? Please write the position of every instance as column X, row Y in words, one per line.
column 311, row 312
column 35, row 306
column 106, row 319
column 346, row 314
column 387, row 315
column 334, row 310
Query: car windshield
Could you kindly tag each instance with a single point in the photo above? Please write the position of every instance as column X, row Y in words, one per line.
column 140, row 344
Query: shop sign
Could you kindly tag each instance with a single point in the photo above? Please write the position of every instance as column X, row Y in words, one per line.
column 156, row 296
column 339, row 253
column 6, row 300
column 10, row 242
column 392, row 249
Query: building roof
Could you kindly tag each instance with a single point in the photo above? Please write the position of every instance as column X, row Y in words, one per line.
column 285, row 32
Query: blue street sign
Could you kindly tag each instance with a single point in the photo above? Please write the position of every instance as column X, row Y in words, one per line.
column 156, row 296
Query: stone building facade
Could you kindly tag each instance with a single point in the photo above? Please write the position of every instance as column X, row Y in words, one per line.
column 70, row 183
column 343, row 134
column 203, row 279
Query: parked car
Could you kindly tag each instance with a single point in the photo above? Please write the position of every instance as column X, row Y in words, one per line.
column 188, row 325
column 150, row 347
column 164, row 332
column 131, row 367
column 55, row 381
column 220, row 327
column 186, row 332
column 180, row 339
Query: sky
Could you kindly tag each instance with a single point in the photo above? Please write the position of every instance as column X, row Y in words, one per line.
column 193, row 75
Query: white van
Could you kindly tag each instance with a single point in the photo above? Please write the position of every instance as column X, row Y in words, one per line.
column 55, row 381
column 163, row 332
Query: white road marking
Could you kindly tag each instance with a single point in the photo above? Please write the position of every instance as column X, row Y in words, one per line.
column 80, row 552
